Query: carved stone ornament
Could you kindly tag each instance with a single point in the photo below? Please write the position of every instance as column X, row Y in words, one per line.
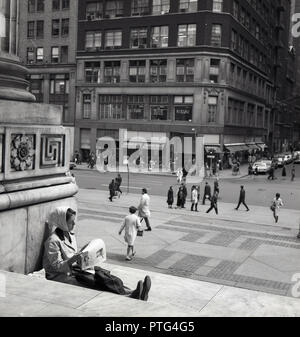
column 22, row 152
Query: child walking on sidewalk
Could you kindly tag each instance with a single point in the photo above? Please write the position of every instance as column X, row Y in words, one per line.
column 131, row 224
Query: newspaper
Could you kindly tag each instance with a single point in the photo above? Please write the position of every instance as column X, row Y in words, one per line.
column 94, row 253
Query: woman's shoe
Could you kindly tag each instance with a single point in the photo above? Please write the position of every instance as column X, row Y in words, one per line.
column 146, row 288
column 133, row 254
column 128, row 258
column 137, row 293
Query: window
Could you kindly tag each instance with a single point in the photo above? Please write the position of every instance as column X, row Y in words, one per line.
column 112, row 71
column 30, row 30
column 216, row 35
column 139, row 7
column 59, row 84
column 159, row 108
column 235, row 10
column 186, row 35
column 113, row 39
column 40, row 29
column 158, row 71
column 87, row 104
column 214, row 70
column 135, row 106
column 217, row 5
column 111, row 107
column 260, row 117
column 94, row 11
column 114, row 9
column 55, row 55
column 212, row 109
column 65, row 27
column 40, row 55
column 40, row 5
column 36, row 87
column 183, row 106
column 160, row 7
column 92, row 72
column 138, row 38
column 185, row 70
column 188, row 5
column 65, row 4
column 31, row 6
column 30, row 55
column 64, row 54
column 137, row 71
column 250, row 115
column 55, row 5
column 159, row 37
column 55, row 27
column 59, row 91
column 93, row 41
column 234, row 40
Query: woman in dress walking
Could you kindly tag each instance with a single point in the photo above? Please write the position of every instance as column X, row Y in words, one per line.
column 277, row 203
column 131, row 224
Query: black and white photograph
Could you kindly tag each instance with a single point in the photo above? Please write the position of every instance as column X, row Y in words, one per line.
column 149, row 161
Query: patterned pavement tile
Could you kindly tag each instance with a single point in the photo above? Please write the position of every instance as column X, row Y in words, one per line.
column 190, row 263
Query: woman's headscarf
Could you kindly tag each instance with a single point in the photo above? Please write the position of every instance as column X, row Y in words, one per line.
column 57, row 219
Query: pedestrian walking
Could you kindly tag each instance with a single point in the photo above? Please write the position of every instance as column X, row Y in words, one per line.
column 207, row 193
column 194, row 199
column 198, row 191
column 275, row 207
column 180, row 198
column 112, row 190
column 213, row 203
column 216, row 186
column 293, row 174
column 132, row 225
column 283, row 171
column 118, row 182
column 144, row 208
column 242, row 199
column 184, row 190
column 170, row 199
column 271, row 173
column 179, row 175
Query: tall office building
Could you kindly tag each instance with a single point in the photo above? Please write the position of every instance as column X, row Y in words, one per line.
column 176, row 68
column 47, row 46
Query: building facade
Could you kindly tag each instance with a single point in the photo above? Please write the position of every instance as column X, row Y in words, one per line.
column 178, row 68
column 47, row 46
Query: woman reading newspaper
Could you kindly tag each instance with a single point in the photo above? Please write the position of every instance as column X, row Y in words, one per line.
column 64, row 263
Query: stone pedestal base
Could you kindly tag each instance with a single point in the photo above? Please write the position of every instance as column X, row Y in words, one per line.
column 34, row 165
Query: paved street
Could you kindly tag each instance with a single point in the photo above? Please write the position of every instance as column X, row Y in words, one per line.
column 240, row 249
column 259, row 190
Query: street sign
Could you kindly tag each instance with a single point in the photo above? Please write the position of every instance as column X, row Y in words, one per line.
column 211, row 157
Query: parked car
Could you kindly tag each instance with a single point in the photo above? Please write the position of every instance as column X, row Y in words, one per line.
column 296, row 157
column 72, row 165
column 262, row 166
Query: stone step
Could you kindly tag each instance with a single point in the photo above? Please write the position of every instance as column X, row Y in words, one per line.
column 169, row 296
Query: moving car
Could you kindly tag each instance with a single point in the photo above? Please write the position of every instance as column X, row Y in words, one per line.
column 263, row 166
column 279, row 158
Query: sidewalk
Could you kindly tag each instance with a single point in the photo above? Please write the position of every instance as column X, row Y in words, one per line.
column 170, row 296
column 224, row 174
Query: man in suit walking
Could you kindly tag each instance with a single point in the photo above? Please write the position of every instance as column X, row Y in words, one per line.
column 242, row 199
column 213, row 203
column 207, row 193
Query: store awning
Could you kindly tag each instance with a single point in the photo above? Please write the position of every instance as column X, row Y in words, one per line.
column 236, row 147
column 215, row 148
column 253, row 146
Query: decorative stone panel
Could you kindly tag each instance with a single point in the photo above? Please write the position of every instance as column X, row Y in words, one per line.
column 33, row 151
